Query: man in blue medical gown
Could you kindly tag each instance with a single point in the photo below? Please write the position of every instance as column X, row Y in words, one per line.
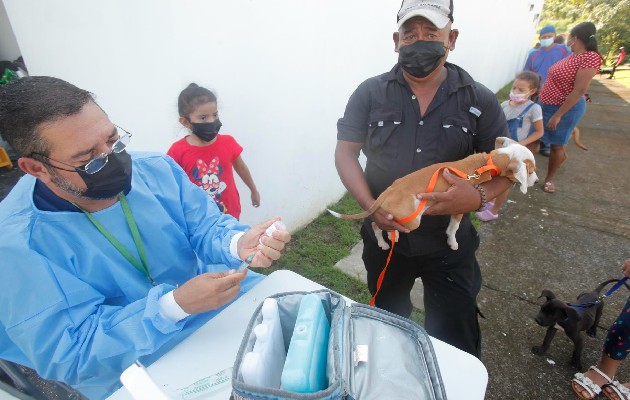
column 106, row 257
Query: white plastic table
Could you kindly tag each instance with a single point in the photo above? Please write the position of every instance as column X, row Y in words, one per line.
column 200, row 367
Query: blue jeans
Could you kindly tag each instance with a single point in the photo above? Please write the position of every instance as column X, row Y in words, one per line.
column 568, row 122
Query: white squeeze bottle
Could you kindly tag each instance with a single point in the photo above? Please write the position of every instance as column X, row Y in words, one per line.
column 263, row 365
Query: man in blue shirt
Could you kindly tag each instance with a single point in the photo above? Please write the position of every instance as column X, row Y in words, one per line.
column 541, row 60
column 107, row 257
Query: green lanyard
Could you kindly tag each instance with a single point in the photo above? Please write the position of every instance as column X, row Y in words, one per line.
column 143, row 266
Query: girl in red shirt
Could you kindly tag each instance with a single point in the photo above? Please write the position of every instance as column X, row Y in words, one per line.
column 208, row 157
column 562, row 96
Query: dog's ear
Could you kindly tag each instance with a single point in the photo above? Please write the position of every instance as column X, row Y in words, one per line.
column 502, row 141
column 572, row 314
column 548, row 294
column 531, row 167
column 516, row 171
column 532, row 178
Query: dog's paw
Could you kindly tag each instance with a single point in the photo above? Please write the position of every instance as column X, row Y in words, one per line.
column 538, row 350
column 592, row 332
column 452, row 244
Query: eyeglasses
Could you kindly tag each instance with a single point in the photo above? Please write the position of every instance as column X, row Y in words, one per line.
column 96, row 164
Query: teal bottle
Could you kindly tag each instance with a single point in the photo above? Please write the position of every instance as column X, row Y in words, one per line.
column 305, row 366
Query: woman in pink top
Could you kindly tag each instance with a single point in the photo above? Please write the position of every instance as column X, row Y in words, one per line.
column 562, row 96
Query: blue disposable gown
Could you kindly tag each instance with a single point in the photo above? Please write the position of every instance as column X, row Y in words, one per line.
column 73, row 308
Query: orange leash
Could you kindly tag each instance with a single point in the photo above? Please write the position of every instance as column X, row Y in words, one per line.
column 379, row 282
column 490, row 166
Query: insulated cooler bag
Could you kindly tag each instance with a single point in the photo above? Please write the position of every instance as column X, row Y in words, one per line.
column 372, row 354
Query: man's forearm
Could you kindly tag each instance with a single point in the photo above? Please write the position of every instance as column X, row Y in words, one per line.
column 351, row 174
column 496, row 186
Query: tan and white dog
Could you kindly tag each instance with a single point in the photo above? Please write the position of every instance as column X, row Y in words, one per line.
column 514, row 161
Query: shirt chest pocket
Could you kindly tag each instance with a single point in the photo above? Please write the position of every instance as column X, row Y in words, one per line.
column 457, row 134
column 383, row 130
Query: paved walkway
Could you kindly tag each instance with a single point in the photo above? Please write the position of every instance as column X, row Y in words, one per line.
column 567, row 242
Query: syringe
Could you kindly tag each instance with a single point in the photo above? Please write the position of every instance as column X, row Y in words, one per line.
column 278, row 225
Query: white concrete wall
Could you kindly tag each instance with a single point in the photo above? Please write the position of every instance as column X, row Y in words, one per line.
column 282, row 69
column 8, row 45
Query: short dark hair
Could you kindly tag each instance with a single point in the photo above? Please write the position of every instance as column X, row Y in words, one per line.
column 191, row 97
column 27, row 103
column 586, row 31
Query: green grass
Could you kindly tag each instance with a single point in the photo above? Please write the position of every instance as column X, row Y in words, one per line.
column 623, row 77
column 504, row 93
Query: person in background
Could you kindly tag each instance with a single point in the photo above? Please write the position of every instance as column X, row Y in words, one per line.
column 209, row 158
column 108, row 257
column 618, row 61
column 540, row 61
column 422, row 112
column 533, row 49
column 559, row 39
column 562, row 96
column 601, row 377
column 524, row 119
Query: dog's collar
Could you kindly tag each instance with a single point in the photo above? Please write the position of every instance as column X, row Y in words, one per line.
column 476, row 174
column 489, row 166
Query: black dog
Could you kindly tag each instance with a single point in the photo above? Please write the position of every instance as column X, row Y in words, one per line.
column 555, row 314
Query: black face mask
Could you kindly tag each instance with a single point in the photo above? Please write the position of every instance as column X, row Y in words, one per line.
column 422, row 57
column 206, row 131
column 114, row 178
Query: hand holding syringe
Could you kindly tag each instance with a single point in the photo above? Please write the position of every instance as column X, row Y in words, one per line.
column 259, row 246
column 278, row 225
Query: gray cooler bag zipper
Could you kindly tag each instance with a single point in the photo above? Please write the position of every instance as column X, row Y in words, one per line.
column 372, row 354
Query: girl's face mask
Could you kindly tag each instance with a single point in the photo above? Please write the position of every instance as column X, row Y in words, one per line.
column 206, row 131
column 519, row 97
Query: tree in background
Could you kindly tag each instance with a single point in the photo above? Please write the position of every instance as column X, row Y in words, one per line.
column 611, row 17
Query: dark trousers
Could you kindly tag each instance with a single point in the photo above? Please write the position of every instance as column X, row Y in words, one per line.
column 451, row 280
column 612, row 73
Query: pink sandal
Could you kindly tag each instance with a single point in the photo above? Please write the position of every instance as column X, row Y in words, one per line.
column 486, row 215
column 549, row 187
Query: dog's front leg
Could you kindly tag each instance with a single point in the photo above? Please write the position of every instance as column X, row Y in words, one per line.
column 542, row 349
column 453, row 226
